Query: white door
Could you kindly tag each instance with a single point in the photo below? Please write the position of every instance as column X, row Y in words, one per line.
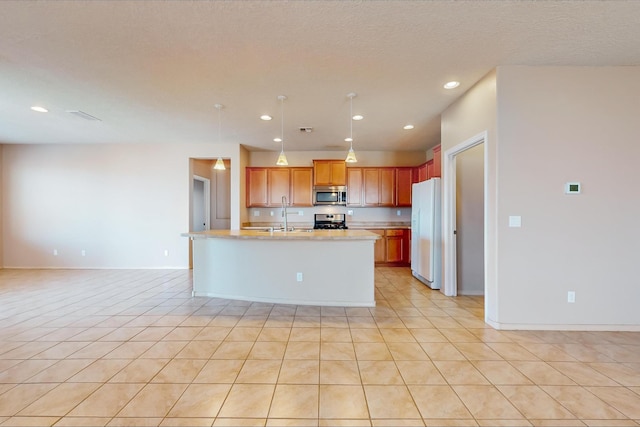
column 200, row 208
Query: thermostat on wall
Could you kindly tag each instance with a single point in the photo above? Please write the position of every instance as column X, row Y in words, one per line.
column 572, row 188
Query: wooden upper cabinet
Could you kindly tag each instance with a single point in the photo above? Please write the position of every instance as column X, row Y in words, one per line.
column 370, row 186
column 379, row 188
column 430, row 169
column 266, row 186
column 422, row 172
column 278, row 181
column 404, row 180
column 387, row 196
column 354, row 186
column 329, row 172
column 437, row 162
column 301, row 186
column 257, row 194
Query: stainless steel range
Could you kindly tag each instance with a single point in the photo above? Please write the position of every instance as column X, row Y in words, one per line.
column 329, row 222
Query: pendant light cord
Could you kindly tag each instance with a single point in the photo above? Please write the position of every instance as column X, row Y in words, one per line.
column 282, row 124
column 351, row 121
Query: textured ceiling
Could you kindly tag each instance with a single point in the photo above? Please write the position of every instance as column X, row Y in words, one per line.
column 153, row 70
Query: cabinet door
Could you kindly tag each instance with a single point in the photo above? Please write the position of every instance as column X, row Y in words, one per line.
column 387, row 196
column 404, row 180
column 257, row 187
column 354, row 186
column 321, row 172
column 278, row 184
column 437, row 162
column 430, row 169
column 422, row 172
column 301, row 186
column 380, row 247
column 371, row 186
column 338, row 173
column 329, row 172
column 395, row 246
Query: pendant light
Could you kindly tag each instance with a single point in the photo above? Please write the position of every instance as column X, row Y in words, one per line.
column 219, row 166
column 282, row 159
column 351, row 155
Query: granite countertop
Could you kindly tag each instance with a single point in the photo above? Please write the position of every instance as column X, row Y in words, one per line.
column 299, row 234
column 378, row 224
column 353, row 225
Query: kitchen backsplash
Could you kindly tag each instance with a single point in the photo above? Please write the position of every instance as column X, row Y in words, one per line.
column 303, row 217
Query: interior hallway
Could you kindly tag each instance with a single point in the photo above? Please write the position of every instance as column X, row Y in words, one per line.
column 131, row 347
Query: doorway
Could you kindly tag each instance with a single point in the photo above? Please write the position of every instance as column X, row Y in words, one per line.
column 462, row 156
column 469, row 229
column 200, row 208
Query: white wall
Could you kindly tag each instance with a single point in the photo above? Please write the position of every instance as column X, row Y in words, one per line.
column 1, row 210
column 553, row 125
column 123, row 204
column 472, row 114
column 365, row 158
column 560, row 124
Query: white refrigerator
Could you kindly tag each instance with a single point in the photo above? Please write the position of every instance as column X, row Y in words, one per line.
column 426, row 233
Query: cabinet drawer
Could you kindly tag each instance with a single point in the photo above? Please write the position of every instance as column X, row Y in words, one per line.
column 395, row 232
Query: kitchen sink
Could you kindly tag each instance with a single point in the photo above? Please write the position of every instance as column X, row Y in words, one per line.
column 295, row 230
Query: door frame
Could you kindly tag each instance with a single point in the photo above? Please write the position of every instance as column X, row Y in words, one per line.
column 450, row 261
column 207, row 200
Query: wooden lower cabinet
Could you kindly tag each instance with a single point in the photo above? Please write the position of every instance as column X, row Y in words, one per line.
column 393, row 247
column 380, row 248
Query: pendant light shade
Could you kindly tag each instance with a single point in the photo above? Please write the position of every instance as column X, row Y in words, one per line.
column 282, row 158
column 219, row 166
column 351, row 155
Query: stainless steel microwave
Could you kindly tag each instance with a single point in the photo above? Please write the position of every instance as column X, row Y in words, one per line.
column 330, row 195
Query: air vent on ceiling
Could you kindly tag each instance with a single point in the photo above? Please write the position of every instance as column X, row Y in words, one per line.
column 306, row 129
column 83, row 115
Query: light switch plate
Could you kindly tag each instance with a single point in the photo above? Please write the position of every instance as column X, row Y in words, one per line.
column 515, row 221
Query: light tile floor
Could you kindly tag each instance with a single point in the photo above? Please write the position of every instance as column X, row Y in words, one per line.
column 132, row 348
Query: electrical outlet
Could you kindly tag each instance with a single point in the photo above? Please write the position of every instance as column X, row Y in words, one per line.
column 399, row 212
column 271, row 213
column 55, row 252
column 350, row 212
column 83, row 252
column 571, row 296
column 300, row 213
column 299, row 277
column 256, row 212
column 166, row 252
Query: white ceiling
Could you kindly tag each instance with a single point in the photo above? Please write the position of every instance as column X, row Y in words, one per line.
column 152, row 71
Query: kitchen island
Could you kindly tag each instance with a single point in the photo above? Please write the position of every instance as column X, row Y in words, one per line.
column 307, row 267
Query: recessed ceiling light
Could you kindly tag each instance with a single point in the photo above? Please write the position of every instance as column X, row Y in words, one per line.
column 265, row 117
column 451, row 85
column 348, row 139
column 277, row 139
column 407, row 127
column 39, row 109
column 358, row 117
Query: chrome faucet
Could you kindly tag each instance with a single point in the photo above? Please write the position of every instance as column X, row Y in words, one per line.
column 284, row 212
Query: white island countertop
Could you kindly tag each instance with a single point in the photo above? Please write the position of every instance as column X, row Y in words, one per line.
column 306, row 267
column 300, row 234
